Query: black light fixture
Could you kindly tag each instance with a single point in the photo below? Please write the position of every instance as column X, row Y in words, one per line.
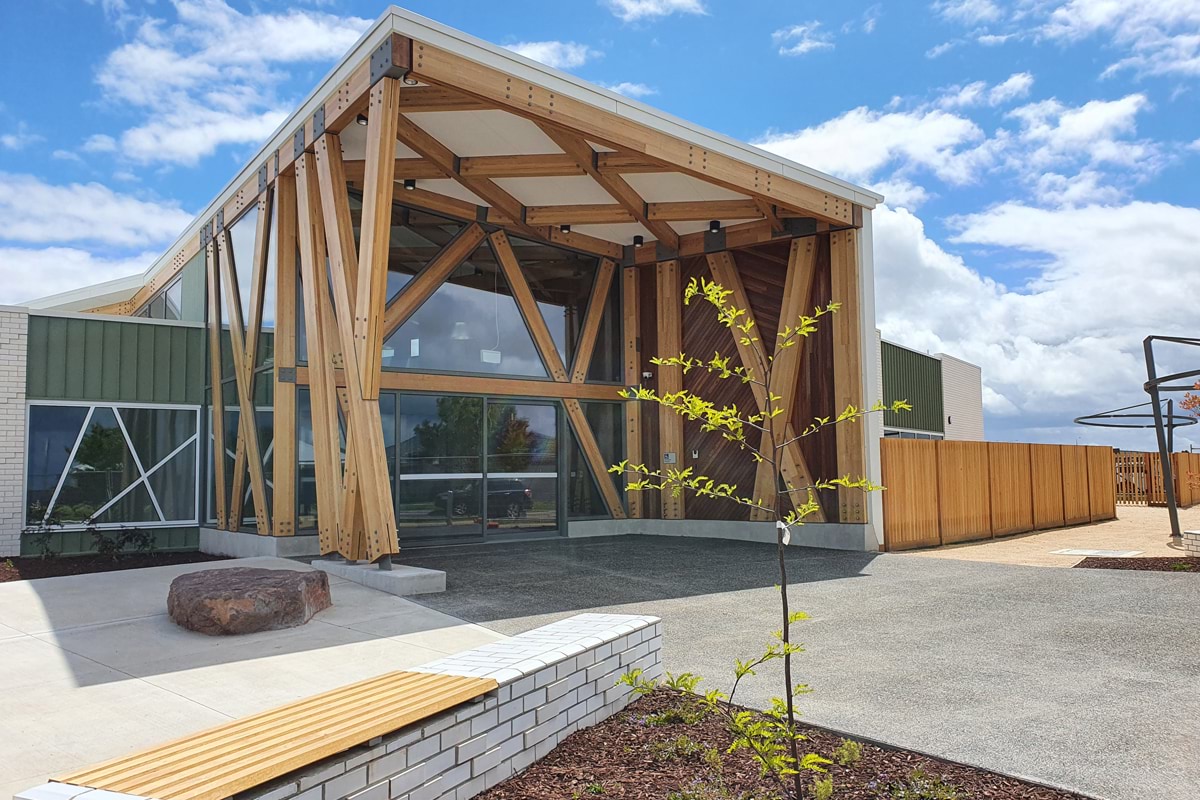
column 361, row 119
column 564, row 228
column 410, row 183
column 714, row 226
column 639, row 240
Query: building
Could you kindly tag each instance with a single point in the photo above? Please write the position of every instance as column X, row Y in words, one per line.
column 946, row 394
column 481, row 252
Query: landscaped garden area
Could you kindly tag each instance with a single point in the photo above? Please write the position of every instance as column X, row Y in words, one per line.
column 1143, row 563
column 30, row 567
column 663, row 746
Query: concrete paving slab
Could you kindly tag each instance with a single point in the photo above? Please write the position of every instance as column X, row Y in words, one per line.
column 1082, row 678
column 93, row 668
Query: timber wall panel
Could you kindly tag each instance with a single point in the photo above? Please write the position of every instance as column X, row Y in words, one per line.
column 910, row 501
column 1011, row 487
column 651, row 453
column 1045, row 462
column 815, row 394
column 964, row 494
column 1102, row 488
column 1076, row 504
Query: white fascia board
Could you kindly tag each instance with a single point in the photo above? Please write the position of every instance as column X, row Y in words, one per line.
column 426, row 30
column 97, row 294
column 948, row 357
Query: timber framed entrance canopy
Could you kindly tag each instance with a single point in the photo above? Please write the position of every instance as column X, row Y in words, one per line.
column 429, row 159
column 490, row 135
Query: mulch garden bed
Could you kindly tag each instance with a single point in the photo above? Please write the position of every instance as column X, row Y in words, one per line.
column 24, row 569
column 1155, row 564
column 633, row 754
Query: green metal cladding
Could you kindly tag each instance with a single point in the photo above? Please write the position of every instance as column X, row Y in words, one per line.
column 107, row 360
column 917, row 378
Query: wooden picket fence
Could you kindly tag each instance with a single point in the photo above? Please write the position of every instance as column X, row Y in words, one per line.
column 943, row 492
column 1140, row 479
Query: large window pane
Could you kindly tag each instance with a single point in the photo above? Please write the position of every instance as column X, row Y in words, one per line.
column 241, row 234
column 561, row 282
column 606, row 421
column 471, row 323
column 106, row 480
column 103, row 466
column 52, row 433
column 439, row 440
column 522, row 466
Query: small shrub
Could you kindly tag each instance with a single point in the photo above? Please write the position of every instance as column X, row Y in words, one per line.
column 847, row 753
column 595, row 787
column 43, row 543
column 107, row 546
column 920, row 786
column 1181, row 566
column 822, row 789
column 677, row 749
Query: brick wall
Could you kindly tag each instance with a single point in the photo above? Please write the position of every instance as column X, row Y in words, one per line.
column 14, row 326
column 553, row 681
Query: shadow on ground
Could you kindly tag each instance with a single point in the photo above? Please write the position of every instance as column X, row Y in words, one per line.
column 492, row 583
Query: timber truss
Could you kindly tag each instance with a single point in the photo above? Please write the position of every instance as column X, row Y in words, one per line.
column 420, row 124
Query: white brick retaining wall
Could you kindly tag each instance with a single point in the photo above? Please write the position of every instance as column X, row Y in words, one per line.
column 14, row 335
column 554, row 680
column 1191, row 543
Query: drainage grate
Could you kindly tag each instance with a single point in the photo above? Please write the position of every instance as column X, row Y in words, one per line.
column 1099, row 553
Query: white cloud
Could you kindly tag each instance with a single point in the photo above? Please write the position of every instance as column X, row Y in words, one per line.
column 19, row 139
column 939, row 50
column 66, row 155
column 34, row 211
column 1094, row 132
column 30, row 273
column 560, row 55
column 99, row 143
column 796, row 40
column 863, row 142
column 211, row 70
column 979, row 93
column 632, row 10
column 1066, row 341
column 969, row 12
column 630, row 89
column 871, row 18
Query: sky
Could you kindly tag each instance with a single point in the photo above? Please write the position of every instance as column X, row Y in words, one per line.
column 1040, row 158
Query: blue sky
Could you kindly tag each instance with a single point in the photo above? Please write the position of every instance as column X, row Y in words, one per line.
column 1040, row 157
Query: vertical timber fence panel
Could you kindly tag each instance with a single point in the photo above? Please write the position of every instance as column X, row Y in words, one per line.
column 910, row 502
column 1102, row 488
column 944, row 492
column 1011, row 488
column 1045, row 462
column 1077, row 506
column 964, row 491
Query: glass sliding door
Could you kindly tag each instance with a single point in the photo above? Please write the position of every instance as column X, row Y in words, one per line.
column 439, row 487
column 522, row 466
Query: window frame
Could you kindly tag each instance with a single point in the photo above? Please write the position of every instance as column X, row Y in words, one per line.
column 92, row 405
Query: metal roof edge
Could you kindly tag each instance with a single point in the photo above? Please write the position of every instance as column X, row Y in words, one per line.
column 90, row 296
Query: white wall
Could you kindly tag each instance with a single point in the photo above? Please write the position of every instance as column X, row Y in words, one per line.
column 14, row 331
column 962, row 399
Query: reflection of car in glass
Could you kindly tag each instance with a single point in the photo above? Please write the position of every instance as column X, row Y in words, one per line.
column 507, row 497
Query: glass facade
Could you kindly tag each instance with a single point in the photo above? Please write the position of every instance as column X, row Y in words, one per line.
column 111, row 465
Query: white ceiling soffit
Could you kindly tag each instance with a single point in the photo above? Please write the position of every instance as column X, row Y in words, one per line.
column 444, row 186
column 600, row 148
column 675, row 187
column 619, row 232
column 565, row 191
column 683, row 228
column 484, row 133
column 354, row 144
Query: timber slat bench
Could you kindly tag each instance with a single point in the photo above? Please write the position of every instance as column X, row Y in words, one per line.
column 445, row 730
column 239, row 755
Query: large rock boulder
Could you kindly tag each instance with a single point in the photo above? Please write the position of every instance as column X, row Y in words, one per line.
column 246, row 599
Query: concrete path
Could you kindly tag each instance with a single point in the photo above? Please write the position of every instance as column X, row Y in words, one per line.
column 1141, row 528
column 91, row 667
column 1087, row 679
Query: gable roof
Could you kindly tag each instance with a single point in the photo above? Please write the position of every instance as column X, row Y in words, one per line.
column 734, row 188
